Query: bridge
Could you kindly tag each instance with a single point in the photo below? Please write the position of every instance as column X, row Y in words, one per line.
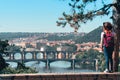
column 47, row 57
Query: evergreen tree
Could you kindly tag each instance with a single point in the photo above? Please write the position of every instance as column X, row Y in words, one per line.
column 3, row 45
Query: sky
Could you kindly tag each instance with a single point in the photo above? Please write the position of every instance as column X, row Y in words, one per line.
column 39, row 16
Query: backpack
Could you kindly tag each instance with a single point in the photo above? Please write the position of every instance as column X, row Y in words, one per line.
column 109, row 39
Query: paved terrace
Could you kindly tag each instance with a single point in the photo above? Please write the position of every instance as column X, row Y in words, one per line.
column 63, row 76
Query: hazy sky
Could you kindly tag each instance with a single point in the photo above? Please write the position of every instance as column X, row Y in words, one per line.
column 38, row 16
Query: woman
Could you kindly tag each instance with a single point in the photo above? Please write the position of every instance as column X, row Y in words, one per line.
column 107, row 45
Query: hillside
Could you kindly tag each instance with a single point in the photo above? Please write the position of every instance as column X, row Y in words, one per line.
column 12, row 35
column 48, row 36
column 93, row 36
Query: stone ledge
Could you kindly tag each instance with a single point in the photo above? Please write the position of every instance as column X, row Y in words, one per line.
column 62, row 76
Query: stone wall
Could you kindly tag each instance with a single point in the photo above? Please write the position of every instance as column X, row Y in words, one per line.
column 62, row 76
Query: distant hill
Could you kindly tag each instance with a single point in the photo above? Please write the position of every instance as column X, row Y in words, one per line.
column 93, row 36
column 12, row 35
column 48, row 36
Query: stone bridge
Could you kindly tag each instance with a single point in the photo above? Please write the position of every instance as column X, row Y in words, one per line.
column 45, row 56
column 49, row 57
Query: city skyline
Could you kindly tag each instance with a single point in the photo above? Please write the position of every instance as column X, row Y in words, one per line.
column 39, row 16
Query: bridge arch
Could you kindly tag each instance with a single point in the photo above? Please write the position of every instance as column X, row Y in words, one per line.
column 28, row 55
column 17, row 55
column 50, row 54
column 40, row 55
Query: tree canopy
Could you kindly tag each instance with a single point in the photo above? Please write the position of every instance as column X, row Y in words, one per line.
column 3, row 45
column 83, row 11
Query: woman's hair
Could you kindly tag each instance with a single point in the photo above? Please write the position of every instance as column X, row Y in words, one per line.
column 107, row 26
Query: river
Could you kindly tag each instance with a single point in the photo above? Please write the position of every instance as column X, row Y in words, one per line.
column 55, row 67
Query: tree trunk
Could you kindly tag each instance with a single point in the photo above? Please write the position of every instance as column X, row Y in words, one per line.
column 116, row 21
column 116, row 53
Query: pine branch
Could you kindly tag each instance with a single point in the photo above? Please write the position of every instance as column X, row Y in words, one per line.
column 76, row 18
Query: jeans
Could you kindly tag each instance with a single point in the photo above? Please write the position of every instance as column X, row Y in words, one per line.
column 108, row 51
